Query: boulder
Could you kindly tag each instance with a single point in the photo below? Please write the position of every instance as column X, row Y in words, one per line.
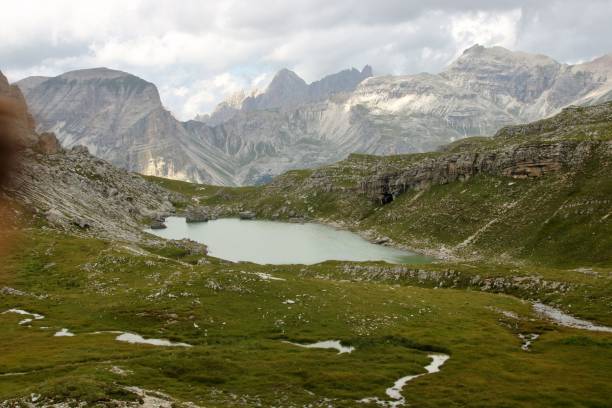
column 81, row 222
column 54, row 216
column 80, row 149
column 247, row 215
column 157, row 224
column 380, row 240
column 196, row 215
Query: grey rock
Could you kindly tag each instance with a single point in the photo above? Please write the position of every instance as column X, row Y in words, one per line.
column 156, row 224
column 247, row 215
column 82, row 222
column 5, row 290
column 54, row 216
column 196, row 215
column 192, row 247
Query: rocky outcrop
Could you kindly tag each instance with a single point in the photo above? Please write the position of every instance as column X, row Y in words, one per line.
column 525, row 161
column 530, row 286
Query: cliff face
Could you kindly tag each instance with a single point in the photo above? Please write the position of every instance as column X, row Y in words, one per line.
column 525, row 161
column 119, row 117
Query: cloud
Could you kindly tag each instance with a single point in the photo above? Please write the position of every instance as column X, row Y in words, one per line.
column 199, row 52
column 205, row 93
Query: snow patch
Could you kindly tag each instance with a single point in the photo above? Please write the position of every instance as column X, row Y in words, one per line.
column 563, row 319
column 35, row 316
column 133, row 338
column 267, row 276
column 326, row 344
column 63, row 333
column 528, row 340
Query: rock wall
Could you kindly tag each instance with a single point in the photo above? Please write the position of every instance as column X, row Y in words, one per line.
column 523, row 161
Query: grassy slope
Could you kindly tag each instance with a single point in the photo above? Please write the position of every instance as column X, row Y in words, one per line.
column 239, row 359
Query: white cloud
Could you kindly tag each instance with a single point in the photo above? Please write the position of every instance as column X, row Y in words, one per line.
column 485, row 28
column 204, row 94
column 198, row 52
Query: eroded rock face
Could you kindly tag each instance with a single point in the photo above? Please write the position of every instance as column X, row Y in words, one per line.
column 77, row 192
column 516, row 162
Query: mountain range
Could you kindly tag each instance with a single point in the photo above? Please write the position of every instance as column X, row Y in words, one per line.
column 252, row 137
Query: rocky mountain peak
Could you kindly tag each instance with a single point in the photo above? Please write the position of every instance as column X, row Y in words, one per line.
column 496, row 71
column 91, row 107
column 498, row 58
column 110, row 81
column 367, row 71
column 601, row 65
column 286, row 81
column 288, row 90
column 285, row 89
column 95, row 73
column 286, row 76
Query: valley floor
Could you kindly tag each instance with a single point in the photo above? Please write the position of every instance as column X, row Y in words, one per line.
column 229, row 327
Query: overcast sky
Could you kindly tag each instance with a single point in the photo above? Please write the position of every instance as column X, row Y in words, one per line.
column 198, row 52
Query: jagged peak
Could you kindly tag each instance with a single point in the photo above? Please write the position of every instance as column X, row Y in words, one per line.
column 367, row 71
column 286, row 77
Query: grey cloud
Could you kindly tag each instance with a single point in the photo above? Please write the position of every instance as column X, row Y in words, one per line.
column 313, row 37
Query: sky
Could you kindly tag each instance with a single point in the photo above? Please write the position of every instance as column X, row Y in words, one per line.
column 199, row 52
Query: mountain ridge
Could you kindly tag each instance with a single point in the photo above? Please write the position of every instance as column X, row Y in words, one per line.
column 294, row 125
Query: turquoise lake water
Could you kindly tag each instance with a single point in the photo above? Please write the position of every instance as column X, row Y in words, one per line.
column 271, row 242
